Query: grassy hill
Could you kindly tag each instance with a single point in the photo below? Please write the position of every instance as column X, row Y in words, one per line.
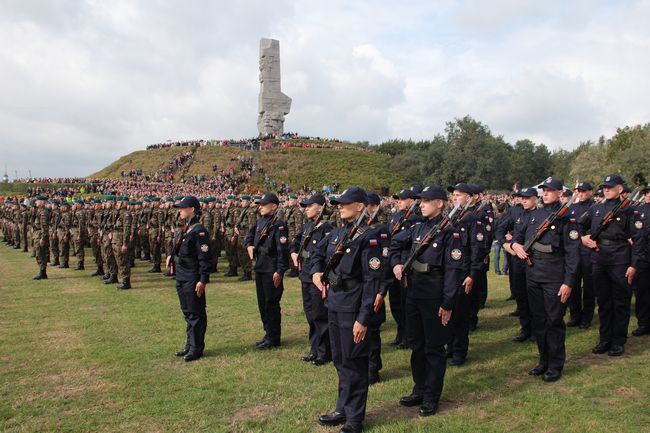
column 295, row 166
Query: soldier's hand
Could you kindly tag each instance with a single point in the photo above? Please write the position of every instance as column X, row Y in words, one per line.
column 629, row 274
column 236, row 231
column 397, row 271
column 277, row 279
column 251, row 250
column 41, row 243
column 200, row 288
column 468, row 283
column 508, row 248
column 167, row 261
column 508, row 237
column 564, row 293
column 445, row 316
column 519, row 250
column 359, row 332
column 379, row 301
column 588, row 242
column 316, row 279
column 294, row 259
column 123, row 249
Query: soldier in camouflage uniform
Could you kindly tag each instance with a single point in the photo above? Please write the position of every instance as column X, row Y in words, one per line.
column 79, row 232
column 230, row 239
column 247, row 220
column 106, row 229
column 154, row 225
column 143, row 231
column 55, row 218
column 292, row 215
column 94, row 223
column 63, row 234
column 41, row 236
column 122, row 238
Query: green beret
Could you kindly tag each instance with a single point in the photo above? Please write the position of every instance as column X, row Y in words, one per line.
column 231, row 197
column 178, row 198
column 218, row 201
column 96, row 200
column 41, row 197
column 154, row 199
column 169, row 199
column 293, row 196
column 245, row 197
column 257, row 197
column 65, row 203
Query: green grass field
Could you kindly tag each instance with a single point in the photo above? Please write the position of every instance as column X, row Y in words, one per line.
column 79, row 356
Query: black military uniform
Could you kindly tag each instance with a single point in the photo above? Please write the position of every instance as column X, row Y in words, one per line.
column 583, row 300
column 510, row 223
column 554, row 262
column 271, row 257
column 472, row 235
column 609, row 266
column 192, row 264
column 641, row 281
column 478, row 297
column 432, row 285
column 313, row 305
column 396, row 296
column 353, row 284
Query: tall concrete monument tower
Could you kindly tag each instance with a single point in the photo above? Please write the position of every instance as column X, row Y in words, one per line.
column 273, row 104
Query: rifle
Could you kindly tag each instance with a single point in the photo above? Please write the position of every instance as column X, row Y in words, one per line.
column 548, row 222
column 431, row 234
column 308, row 236
column 622, row 204
column 372, row 217
column 264, row 233
column 340, row 249
column 406, row 216
column 178, row 241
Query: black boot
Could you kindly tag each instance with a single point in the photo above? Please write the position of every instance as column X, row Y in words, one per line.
column 112, row 279
column 146, row 257
column 132, row 264
column 246, row 277
column 98, row 273
column 42, row 275
column 64, row 265
column 106, row 276
column 155, row 269
column 56, row 262
column 126, row 284
column 80, row 266
column 232, row 271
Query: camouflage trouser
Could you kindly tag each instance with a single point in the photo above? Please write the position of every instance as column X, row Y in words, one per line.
column 42, row 251
column 123, row 259
column 231, row 252
column 79, row 240
column 242, row 256
column 23, row 234
column 54, row 245
column 155, row 246
column 214, row 244
column 107, row 255
column 64, row 245
column 95, row 244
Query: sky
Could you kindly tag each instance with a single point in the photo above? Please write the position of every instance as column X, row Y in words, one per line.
column 83, row 82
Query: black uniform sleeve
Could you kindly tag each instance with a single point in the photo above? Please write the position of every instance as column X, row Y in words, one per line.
column 281, row 243
column 453, row 268
column 203, row 254
column 319, row 255
column 373, row 275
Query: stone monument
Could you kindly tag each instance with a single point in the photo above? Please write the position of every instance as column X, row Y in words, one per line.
column 273, row 104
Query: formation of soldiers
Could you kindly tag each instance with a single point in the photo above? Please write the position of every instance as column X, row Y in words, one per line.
column 426, row 249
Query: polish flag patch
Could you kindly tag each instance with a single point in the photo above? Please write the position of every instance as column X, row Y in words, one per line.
column 372, row 242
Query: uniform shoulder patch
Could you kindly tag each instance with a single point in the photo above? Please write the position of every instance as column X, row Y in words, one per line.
column 283, row 239
column 456, row 254
column 201, row 233
column 374, row 263
column 205, row 248
column 372, row 242
column 479, row 237
column 456, row 235
column 638, row 225
column 281, row 228
column 573, row 235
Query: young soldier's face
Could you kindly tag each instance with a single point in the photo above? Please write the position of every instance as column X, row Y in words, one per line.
column 612, row 192
column 312, row 210
column 404, row 204
column 584, row 195
column 350, row 210
column 529, row 202
column 550, row 195
column 431, row 208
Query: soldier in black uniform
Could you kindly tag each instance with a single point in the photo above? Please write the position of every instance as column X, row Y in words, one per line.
column 267, row 243
column 554, row 262
column 472, row 235
column 192, row 266
column 582, row 301
column 353, row 285
column 614, row 263
column 510, row 224
column 312, row 301
column 485, row 216
column 398, row 223
column 642, row 279
column 431, row 292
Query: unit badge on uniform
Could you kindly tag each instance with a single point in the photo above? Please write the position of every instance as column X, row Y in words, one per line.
column 638, row 225
column 283, row 239
column 204, row 248
column 573, row 234
column 374, row 263
column 456, row 254
column 479, row 237
column 384, row 252
column 488, row 227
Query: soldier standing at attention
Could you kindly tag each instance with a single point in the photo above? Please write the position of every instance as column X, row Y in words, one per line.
column 614, row 264
column 193, row 264
column 41, row 236
column 552, row 271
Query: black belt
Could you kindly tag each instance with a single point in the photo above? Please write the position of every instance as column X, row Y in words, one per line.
column 611, row 242
column 537, row 255
column 338, row 284
column 425, row 268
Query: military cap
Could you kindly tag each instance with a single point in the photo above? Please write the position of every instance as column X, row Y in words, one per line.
column 528, row 192
column 352, row 195
column 316, row 198
column 612, row 180
column 552, row 183
column 462, row 187
column 584, row 186
column 432, row 192
column 373, row 198
column 403, row 194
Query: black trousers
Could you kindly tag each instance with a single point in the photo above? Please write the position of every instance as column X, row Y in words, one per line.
column 268, row 303
column 459, row 324
column 614, row 297
column 642, row 294
column 374, row 353
column 583, row 301
column 196, row 319
column 397, row 299
column 316, row 314
column 478, row 296
column 548, row 322
column 351, row 362
column 427, row 338
column 520, row 292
